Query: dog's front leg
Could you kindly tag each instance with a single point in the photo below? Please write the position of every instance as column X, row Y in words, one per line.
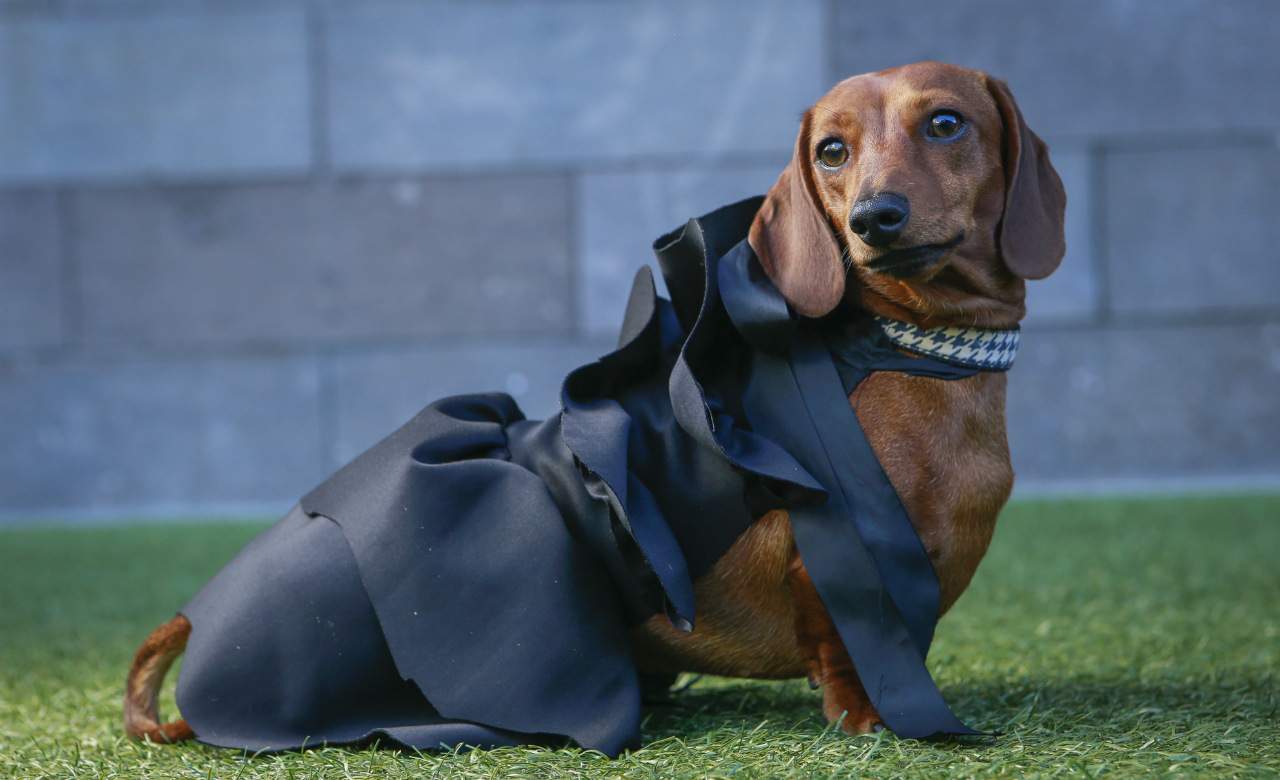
column 826, row 660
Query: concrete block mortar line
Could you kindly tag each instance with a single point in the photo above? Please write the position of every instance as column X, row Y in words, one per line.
column 222, row 178
column 680, row 161
column 1203, row 318
column 101, row 356
column 63, row 10
column 49, row 356
column 831, row 63
column 180, row 512
column 577, row 263
column 318, row 82
column 1191, row 486
column 1178, row 141
column 1098, row 202
column 327, row 405
column 71, row 317
column 672, row 161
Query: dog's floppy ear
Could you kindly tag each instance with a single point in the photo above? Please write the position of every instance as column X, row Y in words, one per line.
column 1031, row 236
column 793, row 239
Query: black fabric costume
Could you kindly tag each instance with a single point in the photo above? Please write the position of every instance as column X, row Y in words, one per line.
column 471, row 579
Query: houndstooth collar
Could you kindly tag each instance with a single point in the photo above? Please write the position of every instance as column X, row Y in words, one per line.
column 991, row 350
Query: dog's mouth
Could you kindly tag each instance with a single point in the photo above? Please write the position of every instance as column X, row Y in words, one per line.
column 913, row 260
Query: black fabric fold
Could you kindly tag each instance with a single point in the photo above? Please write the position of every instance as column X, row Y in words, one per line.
column 286, row 652
column 471, row 579
column 597, row 429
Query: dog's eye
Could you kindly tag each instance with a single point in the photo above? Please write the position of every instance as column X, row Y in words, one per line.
column 832, row 153
column 945, row 125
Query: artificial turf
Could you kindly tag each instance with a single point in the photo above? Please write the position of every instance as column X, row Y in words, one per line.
column 1101, row 637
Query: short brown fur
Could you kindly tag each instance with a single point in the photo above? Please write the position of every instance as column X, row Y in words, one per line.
column 142, row 687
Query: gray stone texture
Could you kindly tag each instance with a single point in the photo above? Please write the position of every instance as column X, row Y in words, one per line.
column 1089, row 67
column 280, row 264
column 183, row 434
column 1193, row 230
column 31, row 270
column 485, row 85
column 376, row 391
column 58, row 9
column 158, row 95
column 620, row 215
column 1179, row 401
column 240, row 241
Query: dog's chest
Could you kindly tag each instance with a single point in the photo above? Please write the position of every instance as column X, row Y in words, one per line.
column 944, row 448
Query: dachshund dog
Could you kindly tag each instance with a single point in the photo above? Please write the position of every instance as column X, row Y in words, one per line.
column 916, row 193
column 925, row 190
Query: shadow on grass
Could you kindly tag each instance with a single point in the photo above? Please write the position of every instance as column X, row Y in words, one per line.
column 735, row 705
column 1076, row 707
column 1230, row 716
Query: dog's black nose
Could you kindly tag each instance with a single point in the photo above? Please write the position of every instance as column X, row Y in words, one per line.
column 879, row 219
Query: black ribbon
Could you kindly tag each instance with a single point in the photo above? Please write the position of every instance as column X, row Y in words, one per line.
column 862, row 553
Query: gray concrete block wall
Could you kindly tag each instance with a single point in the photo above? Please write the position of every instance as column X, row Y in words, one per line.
column 304, row 263
column 376, row 391
column 1070, row 295
column 32, row 300
column 165, row 433
column 654, row 201
column 1092, row 68
column 1220, row 208
column 484, row 86
column 156, row 94
column 1130, row 402
column 240, row 241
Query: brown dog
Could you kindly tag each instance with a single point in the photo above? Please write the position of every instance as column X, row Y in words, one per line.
column 936, row 160
column 925, row 182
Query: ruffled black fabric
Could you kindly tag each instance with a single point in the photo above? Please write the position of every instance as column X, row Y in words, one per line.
column 471, row 579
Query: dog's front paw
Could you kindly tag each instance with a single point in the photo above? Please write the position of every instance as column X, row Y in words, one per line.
column 858, row 723
column 829, row 667
column 845, row 702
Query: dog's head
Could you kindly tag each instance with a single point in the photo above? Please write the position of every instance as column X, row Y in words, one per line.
column 924, row 184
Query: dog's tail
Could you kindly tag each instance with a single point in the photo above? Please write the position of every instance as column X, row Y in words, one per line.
column 142, row 689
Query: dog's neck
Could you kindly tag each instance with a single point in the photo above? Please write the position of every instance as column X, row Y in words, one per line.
column 961, row 295
column 972, row 289
column 957, row 316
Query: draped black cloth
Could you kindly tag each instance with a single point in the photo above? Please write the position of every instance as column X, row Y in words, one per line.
column 471, row 579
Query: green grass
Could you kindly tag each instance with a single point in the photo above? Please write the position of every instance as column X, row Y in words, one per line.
column 1109, row 637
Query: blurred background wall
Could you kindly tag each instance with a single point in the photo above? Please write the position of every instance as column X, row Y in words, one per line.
column 241, row 241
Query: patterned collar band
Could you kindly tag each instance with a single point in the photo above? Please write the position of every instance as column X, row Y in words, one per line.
column 990, row 350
